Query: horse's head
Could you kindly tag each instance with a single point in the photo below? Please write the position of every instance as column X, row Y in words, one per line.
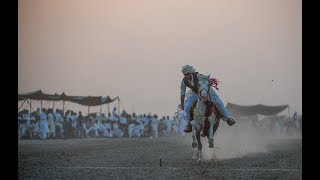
column 203, row 87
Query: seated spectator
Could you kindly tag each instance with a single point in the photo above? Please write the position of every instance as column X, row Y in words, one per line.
column 109, row 129
column 117, row 132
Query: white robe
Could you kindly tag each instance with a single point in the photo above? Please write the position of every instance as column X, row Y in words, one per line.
column 44, row 125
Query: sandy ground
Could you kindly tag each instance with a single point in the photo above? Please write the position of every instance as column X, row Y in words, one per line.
column 234, row 157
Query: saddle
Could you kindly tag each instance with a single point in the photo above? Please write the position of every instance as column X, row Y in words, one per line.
column 210, row 109
column 191, row 110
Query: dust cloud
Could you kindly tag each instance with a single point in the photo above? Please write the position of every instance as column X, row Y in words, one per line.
column 239, row 140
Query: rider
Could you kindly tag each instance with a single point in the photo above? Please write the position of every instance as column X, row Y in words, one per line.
column 191, row 80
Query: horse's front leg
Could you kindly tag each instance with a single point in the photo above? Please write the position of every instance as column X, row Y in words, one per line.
column 194, row 142
column 198, row 130
column 212, row 120
column 198, row 137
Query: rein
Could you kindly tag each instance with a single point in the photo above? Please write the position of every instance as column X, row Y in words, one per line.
column 209, row 109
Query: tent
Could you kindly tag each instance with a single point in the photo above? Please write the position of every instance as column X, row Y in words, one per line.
column 83, row 100
column 239, row 110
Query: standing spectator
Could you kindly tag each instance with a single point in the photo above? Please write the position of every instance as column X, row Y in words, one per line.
column 114, row 112
column 145, row 119
column 36, row 125
column 22, row 129
column 181, row 122
column 80, row 131
column 142, row 129
column 174, row 130
column 168, row 125
column 26, row 116
column 162, row 126
column 66, row 125
column 109, row 128
column 154, row 125
column 58, row 120
column 44, row 124
column 52, row 126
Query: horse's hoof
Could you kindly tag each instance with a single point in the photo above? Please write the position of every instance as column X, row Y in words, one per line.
column 194, row 144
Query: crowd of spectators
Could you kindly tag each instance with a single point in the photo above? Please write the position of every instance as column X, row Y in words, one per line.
column 278, row 125
column 49, row 124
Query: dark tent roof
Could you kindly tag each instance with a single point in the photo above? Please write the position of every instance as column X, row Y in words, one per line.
column 238, row 110
column 90, row 100
column 31, row 95
column 83, row 100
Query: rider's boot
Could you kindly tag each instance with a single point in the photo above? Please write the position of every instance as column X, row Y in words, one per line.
column 230, row 121
column 188, row 128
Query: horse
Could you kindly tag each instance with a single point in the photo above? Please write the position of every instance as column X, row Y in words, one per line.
column 205, row 116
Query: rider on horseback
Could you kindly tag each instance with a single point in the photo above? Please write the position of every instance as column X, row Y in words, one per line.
column 191, row 80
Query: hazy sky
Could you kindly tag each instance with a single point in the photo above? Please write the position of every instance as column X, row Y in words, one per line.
column 135, row 49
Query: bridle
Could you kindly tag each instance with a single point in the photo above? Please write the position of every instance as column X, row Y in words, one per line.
column 206, row 97
column 206, row 100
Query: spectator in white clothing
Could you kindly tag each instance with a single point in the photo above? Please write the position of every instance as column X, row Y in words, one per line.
column 44, row 124
column 154, row 125
column 114, row 112
column 168, row 126
column 51, row 124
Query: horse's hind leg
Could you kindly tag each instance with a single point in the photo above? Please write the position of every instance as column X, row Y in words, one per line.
column 194, row 142
column 199, row 141
column 213, row 129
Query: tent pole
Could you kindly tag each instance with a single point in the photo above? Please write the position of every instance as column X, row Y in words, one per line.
column 30, row 105
column 289, row 112
column 119, row 106
column 53, row 105
column 41, row 104
column 63, row 107
column 88, row 109
column 22, row 104
column 108, row 108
